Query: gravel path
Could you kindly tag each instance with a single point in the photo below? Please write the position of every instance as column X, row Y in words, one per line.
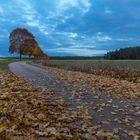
column 120, row 116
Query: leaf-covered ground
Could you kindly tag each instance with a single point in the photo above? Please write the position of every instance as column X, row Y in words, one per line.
column 26, row 113
column 121, row 69
column 119, row 88
column 80, row 111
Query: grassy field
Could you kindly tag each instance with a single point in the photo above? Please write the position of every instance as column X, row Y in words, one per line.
column 123, row 69
column 95, row 63
column 4, row 63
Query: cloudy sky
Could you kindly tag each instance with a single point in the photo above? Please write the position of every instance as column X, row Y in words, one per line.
column 73, row 27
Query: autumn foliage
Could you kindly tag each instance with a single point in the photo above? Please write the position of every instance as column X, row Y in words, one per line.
column 23, row 42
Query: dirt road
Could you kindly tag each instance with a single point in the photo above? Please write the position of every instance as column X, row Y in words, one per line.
column 120, row 116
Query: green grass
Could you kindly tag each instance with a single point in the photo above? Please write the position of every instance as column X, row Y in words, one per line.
column 5, row 61
column 95, row 63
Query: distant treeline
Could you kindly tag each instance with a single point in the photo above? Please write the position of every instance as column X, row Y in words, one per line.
column 75, row 57
column 124, row 53
column 61, row 57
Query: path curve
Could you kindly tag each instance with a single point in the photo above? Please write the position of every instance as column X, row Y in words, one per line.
column 35, row 75
column 109, row 113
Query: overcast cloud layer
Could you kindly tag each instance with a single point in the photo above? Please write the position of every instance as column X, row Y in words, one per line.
column 73, row 27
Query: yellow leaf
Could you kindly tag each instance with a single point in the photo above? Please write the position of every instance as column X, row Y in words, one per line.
column 87, row 119
column 2, row 128
column 108, row 135
column 136, row 137
column 41, row 116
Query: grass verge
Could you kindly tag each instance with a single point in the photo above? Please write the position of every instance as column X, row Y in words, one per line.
column 4, row 63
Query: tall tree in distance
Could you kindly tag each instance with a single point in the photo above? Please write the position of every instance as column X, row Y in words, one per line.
column 23, row 42
column 18, row 37
column 124, row 53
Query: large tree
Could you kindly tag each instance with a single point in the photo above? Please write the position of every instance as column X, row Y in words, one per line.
column 28, row 47
column 37, row 52
column 18, row 37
